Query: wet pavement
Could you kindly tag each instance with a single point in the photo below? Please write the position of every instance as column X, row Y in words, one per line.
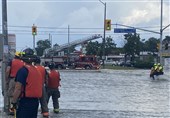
column 111, row 94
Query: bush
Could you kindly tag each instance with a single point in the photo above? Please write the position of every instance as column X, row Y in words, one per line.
column 143, row 64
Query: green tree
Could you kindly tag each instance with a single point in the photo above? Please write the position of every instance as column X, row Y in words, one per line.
column 56, row 45
column 96, row 48
column 151, row 45
column 167, row 39
column 132, row 46
column 41, row 46
column 93, row 48
column 110, row 46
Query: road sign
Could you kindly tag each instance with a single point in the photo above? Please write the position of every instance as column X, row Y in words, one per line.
column 124, row 30
column 165, row 54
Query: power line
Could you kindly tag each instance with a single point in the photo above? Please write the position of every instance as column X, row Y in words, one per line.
column 72, row 27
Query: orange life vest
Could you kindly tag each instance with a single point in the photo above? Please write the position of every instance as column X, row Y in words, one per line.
column 15, row 66
column 53, row 79
column 33, row 88
column 41, row 69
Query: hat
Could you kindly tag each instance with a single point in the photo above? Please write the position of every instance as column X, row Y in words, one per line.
column 158, row 64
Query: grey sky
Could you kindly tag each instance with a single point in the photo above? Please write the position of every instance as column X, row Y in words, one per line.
column 81, row 14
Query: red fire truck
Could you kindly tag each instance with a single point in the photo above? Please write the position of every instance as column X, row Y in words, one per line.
column 73, row 61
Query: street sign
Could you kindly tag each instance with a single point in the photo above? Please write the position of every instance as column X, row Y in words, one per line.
column 165, row 54
column 124, row 30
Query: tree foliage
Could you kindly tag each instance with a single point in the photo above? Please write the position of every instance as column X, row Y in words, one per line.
column 41, row 46
column 132, row 46
column 166, row 40
column 110, row 46
column 96, row 48
column 151, row 45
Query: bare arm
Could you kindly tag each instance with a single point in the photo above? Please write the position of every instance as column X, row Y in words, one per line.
column 17, row 91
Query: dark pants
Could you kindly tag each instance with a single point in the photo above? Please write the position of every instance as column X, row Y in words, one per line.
column 10, row 91
column 156, row 73
column 43, row 101
column 27, row 108
column 55, row 93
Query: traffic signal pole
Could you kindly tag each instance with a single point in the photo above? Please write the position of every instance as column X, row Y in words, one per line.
column 34, row 42
column 161, row 30
column 104, row 34
column 34, row 32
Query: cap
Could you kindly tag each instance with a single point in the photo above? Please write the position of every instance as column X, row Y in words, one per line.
column 158, row 64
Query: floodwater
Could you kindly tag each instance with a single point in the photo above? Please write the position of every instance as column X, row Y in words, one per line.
column 113, row 94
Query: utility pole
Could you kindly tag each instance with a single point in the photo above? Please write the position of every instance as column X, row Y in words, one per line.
column 4, row 52
column 68, row 49
column 104, row 34
column 161, row 30
column 50, row 39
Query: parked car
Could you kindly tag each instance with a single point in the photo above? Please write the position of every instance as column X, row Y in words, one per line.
column 109, row 62
column 127, row 64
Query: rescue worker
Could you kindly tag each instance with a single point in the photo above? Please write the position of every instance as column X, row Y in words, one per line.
column 28, row 87
column 160, row 69
column 153, row 70
column 43, row 99
column 11, row 71
column 157, row 69
column 53, row 84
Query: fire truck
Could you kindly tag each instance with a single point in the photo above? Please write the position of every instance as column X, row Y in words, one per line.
column 74, row 61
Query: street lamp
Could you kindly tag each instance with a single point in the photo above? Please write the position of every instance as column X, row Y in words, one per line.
column 104, row 33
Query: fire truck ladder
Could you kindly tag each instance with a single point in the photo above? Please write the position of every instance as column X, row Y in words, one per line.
column 73, row 43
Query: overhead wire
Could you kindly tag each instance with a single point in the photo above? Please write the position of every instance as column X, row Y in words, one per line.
column 64, row 31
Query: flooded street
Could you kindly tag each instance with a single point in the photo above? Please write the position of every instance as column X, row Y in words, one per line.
column 112, row 94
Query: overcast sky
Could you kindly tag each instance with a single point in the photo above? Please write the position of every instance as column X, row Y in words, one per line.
column 54, row 16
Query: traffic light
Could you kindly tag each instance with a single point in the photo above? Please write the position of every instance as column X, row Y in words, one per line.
column 108, row 24
column 166, row 46
column 34, row 30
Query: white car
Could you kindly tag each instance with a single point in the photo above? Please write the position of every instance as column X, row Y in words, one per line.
column 110, row 62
